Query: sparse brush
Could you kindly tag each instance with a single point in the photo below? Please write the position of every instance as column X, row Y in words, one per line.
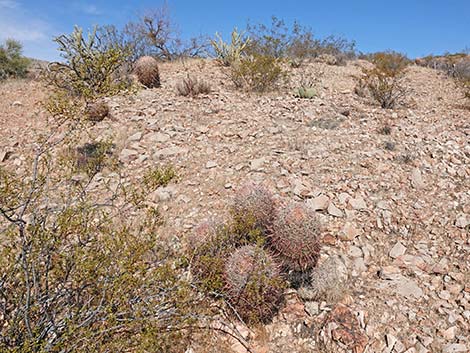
column 192, row 86
column 296, row 237
column 146, row 70
column 96, row 111
column 258, row 73
column 255, row 201
column 92, row 67
column 384, row 81
column 12, row 62
column 229, row 53
column 254, row 286
column 159, row 176
column 92, row 157
column 327, row 282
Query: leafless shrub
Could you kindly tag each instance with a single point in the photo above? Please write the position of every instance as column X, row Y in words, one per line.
column 384, row 82
column 192, row 86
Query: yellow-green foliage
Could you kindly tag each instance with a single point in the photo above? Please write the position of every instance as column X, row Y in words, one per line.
column 384, row 81
column 230, row 53
column 12, row 62
column 77, row 277
column 258, row 73
column 92, row 65
column 159, row 176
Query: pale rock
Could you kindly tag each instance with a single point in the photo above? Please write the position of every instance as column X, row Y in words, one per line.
column 355, row 251
column 359, row 265
column 462, row 221
column 404, row 286
column 17, row 104
column 397, row 250
column 391, row 340
column 135, row 137
column 334, row 211
column 455, row 348
column 127, row 155
column 211, row 164
column 343, row 198
column 319, row 203
column 169, row 151
column 349, row 232
column 256, row 165
column 312, row 308
column 358, row 203
column 159, row 137
column 450, row 333
column 417, row 179
column 445, row 295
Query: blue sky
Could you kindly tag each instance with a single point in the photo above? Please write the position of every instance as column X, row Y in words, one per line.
column 416, row 27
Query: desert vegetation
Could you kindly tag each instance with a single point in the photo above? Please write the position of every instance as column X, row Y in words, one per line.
column 269, row 191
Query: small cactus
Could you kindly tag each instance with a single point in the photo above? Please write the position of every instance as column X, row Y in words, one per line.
column 254, row 285
column 146, row 69
column 257, row 202
column 96, row 111
column 305, row 92
column 296, row 237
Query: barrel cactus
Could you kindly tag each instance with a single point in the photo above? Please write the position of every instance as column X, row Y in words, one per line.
column 97, row 111
column 254, row 286
column 296, row 237
column 305, row 92
column 146, row 70
column 257, row 202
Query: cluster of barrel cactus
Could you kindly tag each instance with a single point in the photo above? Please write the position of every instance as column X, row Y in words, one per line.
column 252, row 258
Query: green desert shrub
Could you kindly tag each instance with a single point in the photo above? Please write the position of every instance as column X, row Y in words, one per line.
column 295, row 239
column 259, row 73
column 384, row 82
column 254, row 285
column 78, row 277
column 229, row 53
column 159, row 176
column 12, row 62
column 92, row 67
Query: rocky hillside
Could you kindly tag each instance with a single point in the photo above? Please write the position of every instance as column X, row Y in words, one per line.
column 392, row 189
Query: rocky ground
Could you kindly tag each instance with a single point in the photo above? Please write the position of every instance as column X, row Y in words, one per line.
column 397, row 205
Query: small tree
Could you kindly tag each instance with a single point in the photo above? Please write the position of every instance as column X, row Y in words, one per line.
column 12, row 61
column 92, row 66
column 384, row 81
column 155, row 34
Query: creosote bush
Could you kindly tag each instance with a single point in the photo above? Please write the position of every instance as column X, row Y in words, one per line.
column 12, row 62
column 192, row 86
column 296, row 237
column 254, row 285
column 146, row 70
column 92, row 157
column 78, row 275
column 92, row 66
column 259, row 73
column 384, row 81
column 159, row 176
